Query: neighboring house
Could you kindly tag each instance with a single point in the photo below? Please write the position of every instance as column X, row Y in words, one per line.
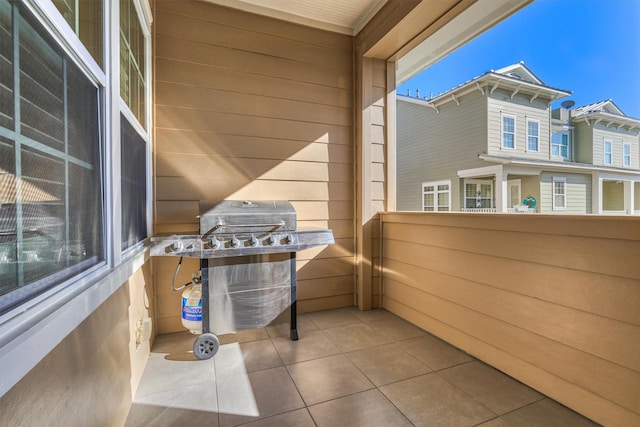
column 493, row 144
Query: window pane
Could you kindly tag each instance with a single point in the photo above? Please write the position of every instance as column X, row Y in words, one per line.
column 41, row 87
column 6, row 66
column 508, row 140
column 134, row 188
column 132, row 61
column 51, row 221
column 86, row 18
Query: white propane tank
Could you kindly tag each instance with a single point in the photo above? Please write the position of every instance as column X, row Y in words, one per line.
column 192, row 308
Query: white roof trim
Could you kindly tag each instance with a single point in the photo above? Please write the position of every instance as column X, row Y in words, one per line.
column 557, row 165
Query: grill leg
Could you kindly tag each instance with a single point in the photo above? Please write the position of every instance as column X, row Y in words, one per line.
column 294, row 311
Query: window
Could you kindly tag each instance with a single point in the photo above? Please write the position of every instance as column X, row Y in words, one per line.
column 478, row 194
column 560, row 144
column 86, row 18
column 436, row 196
column 533, row 133
column 508, row 131
column 626, row 155
column 559, row 193
column 133, row 182
column 51, row 183
column 133, row 85
column 607, row 152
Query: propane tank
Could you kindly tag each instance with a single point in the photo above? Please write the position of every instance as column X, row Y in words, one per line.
column 192, row 306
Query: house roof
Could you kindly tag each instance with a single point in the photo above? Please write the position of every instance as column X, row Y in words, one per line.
column 606, row 112
column 517, row 78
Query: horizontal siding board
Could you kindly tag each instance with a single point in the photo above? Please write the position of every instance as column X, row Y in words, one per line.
column 168, row 165
column 433, row 146
column 578, row 289
column 260, row 24
column 213, row 100
column 575, row 328
column 225, row 145
column 171, row 70
column 203, row 121
column 578, row 253
column 587, row 371
column 319, row 288
column 591, row 404
column 559, row 319
column 195, row 28
column 195, row 51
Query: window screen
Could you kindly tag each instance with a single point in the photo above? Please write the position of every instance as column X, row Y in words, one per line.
column 51, row 210
column 134, row 189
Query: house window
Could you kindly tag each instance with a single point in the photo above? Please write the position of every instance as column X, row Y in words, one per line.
column 478, row 194
column 560, row 144
column 533, row 132
column 436, row 196
column 51, row 182
column 86, row 18
column 508, row 131
column 133, row 84
column 626, row 155
column 607, row 152
column 133, row 184
column 559, row 193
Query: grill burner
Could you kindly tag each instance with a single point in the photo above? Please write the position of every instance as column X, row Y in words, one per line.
column 247, row 279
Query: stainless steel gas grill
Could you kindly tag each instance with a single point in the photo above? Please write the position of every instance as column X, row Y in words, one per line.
column 247, row 251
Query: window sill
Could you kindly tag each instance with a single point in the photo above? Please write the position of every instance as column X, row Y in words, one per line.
column 27, row 335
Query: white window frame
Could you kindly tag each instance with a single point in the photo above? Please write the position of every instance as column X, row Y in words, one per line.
column 30, row 331
column 477, row 183
column 554, row 181
column 436, row 192
column 560, row 146
column 626, row 155
column 536, row 136
column 503, row 132
column 607, row 143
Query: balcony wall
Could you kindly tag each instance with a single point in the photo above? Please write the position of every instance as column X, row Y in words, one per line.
column 550, row 300
column 249, row 107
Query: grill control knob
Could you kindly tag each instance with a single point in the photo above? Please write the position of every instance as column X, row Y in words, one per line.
column 270, row 241
column 213, row 244
column 288, row 239
column 234, row 243
column 252, row 241
column 175, row 246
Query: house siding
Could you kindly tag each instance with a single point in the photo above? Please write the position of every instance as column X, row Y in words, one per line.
column 612, row 196
column 249, row 107
column 433, row 146
column 583, row 143
column 501, row 102
column 578, row 193
column 617, row 137
column 561, row 315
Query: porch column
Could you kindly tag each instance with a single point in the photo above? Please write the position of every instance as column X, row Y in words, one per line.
column 501, row 191
column 596, row 194
column 629, row 202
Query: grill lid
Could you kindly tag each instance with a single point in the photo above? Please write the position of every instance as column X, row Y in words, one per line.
column 236, row 216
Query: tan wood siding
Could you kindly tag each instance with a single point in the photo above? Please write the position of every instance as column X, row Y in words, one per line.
column 550, row 300
column 248, row 107
column 433, row 146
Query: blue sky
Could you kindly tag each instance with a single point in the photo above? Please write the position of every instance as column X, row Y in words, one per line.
column 589, row 47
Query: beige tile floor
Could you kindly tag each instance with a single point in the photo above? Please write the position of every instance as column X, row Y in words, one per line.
column 349, row 368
